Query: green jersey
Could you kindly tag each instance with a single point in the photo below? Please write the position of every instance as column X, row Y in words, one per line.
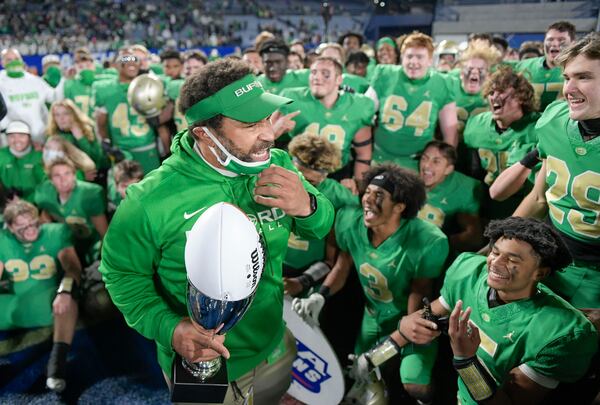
column 292, row 78
column 86, row 201
column 456, row 194
column 544, row 336
column 572, row 175
column 143, row 252
column 127, row 128
column 23, row 173
column 339, row 124
column 34, row 273
column 493, row 148
column 80, row 92
column 467, row 105
column 304, row 252
column 357, row 83
column 417, row 249
column 173, row 90
column 547, row 83
column 408, row 112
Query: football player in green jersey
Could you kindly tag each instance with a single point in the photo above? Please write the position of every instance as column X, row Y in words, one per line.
column 342, row 118
column 513, row 339
column 412, row 99
column 21, row 167
column 386, row 51
column 35, row 257
column 507, row 132
column 69, row 122
column 567, row 185
column 475, row 63
column 352, row 42
column 452, row 197
column 122, row 175
column 225, row 155
column 350, row 82
column 274, row 53
column 315, row 158
column 79, row 88
column 120, row 122
column 252, row 57
column 192, row 62
column 172, row 64
column 397, row 257
column 79, row 204
column 544, row 73
column 356, row 63
column 446, row 56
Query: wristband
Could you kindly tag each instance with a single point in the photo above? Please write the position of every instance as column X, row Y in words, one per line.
column 362, row 143
column 476, row 377
column 530, row 159
column 69, row 286
column 317, row 271
column 382, row 352
column 324, row 291
column 306, row 281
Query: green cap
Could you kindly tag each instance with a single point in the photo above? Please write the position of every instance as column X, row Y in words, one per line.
column 243, row 100
column 385, row 40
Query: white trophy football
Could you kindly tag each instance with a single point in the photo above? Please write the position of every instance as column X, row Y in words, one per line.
column 223, row 254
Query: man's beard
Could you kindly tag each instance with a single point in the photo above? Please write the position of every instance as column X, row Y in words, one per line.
column 235, row 151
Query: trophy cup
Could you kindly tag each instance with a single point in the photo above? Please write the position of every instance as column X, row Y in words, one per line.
column 224, row 259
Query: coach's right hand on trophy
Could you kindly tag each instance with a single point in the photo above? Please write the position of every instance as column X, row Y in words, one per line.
column 196, row 344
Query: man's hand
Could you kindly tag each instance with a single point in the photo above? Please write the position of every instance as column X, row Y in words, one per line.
column 62, row 304
column 418, row 330
column 292, row 286
column 195, row 343
column 464, row 336
column 360, row 369
column 282, row 188
column 283, row 123
column 309, row 308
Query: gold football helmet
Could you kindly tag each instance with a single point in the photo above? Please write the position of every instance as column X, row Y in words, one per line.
column 146, row 94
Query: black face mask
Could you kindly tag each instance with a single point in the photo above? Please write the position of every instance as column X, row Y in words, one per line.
column 589, row 129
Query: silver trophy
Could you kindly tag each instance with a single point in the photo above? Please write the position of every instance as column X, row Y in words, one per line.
column 224, row 259
column 210, row 313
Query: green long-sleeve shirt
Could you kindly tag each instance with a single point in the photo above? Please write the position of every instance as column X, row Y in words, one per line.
column 143, row 252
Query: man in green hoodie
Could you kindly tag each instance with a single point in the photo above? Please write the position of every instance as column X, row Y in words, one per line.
column 225, row 155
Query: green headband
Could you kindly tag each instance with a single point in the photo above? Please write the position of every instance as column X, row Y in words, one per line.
column 243, row 100
column 385, row 40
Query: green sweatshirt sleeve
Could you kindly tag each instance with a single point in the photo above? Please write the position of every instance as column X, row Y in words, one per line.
column 129, row 261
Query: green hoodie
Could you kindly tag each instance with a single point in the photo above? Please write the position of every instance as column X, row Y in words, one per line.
column 143, row 252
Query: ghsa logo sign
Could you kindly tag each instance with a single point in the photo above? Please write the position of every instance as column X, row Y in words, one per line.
column 308, row 369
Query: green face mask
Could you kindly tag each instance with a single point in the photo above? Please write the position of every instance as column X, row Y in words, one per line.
column 232, row 163
column 15, row 68
column 87, row 76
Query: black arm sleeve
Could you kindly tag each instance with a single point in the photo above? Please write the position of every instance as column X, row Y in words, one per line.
column 477, row 171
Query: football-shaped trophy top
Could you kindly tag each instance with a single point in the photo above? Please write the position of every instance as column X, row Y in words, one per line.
column 224, row 257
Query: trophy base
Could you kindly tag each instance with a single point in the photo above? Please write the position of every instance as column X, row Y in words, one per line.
column 187, row 388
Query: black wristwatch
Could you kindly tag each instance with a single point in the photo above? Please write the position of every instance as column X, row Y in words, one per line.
column 313, row 205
